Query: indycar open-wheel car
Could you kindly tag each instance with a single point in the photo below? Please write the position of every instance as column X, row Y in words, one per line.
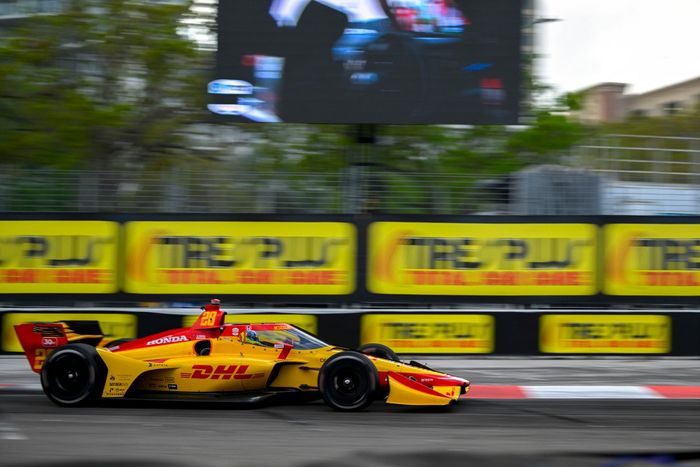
column 216, row 361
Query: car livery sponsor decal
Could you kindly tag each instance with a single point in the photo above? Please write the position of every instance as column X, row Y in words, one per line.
column 48, row 330
column 49, row 342
column 116, row 385
column 39, row 358
column 220, row 372
column 167, row 340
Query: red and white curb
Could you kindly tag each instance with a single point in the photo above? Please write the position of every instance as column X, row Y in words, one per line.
column 525, row 392
column 584, row 392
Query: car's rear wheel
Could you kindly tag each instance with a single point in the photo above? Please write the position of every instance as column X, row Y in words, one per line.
column 379, row 351
column 73, row 375
column 348, row 381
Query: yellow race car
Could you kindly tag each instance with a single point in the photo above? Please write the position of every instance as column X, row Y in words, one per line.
column 217, row 361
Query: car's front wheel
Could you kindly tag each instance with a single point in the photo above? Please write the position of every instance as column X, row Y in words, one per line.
column 348, row 381
column 73, row 375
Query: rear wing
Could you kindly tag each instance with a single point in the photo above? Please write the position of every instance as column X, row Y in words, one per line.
column 39, row 339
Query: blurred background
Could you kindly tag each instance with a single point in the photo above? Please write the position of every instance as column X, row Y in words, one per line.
column 104, row 109
column 463, row 180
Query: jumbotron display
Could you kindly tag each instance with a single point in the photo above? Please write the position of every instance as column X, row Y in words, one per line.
column 368, row 61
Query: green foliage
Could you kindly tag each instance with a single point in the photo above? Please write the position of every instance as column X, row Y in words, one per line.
column 105, row 83
column 547, row 139
column 571, row 100
column 686, row 124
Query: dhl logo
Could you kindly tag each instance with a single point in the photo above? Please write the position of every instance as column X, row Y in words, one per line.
column 221, row 372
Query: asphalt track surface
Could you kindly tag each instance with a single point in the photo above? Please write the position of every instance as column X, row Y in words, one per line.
column 571, row 433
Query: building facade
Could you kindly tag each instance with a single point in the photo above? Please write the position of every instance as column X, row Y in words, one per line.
column 607, row 102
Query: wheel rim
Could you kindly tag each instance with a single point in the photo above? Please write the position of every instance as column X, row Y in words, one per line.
column 349, row 386
column 69, row 376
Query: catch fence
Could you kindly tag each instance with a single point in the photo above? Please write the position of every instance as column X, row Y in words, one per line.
column 610, row 175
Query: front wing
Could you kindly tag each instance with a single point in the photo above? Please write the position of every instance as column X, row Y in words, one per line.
column 415, row 384
column 405, row 391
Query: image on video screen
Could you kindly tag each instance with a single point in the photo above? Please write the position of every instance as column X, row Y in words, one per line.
column 368, row 61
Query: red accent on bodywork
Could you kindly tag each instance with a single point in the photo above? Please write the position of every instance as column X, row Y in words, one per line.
column 212, row 317
column 199, row 334
column 42, row 337
column 444, row 380
column 285, row 352
column 383, row 380
column 141, row 342
column 414, row 384
column 427, row 379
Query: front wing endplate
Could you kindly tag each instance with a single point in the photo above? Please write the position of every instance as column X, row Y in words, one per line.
column 405, row 391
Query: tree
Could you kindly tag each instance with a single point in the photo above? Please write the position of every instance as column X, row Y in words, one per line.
column 549, row 137
column 106, row 83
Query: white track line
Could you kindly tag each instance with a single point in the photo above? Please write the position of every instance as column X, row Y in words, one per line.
column 590, row 392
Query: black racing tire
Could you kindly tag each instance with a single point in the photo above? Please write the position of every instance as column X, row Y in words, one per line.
column 348, row 381
column 73, row 375
column 379, row 351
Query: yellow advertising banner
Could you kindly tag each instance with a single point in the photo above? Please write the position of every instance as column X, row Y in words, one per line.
column 652, row 259
column 430, row 333
column 614, row 333
column 114, row 325
column 416, row 258
column 306, row 322
column 240, row 258
column 58, row 256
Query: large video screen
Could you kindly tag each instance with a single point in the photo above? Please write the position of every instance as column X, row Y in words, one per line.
column 368, row 61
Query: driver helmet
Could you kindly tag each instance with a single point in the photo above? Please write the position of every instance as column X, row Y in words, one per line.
column 251, row 335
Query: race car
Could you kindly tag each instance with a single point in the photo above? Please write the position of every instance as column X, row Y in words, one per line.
column 215, row 361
